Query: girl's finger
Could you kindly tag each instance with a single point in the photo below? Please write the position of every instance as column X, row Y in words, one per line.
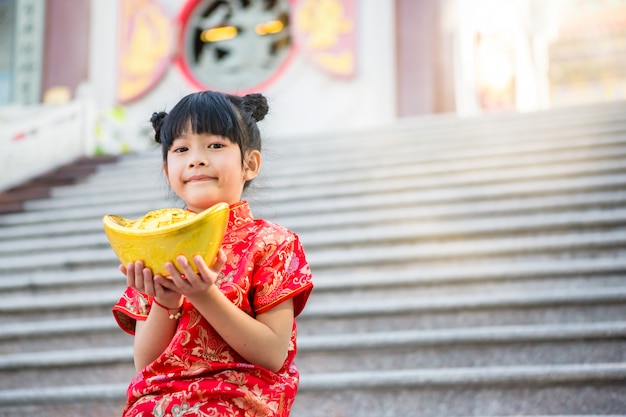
column 216, row 265
column 130, row 276
column 148, row 281
column 203, row 270
column 201, row 278
column 165, row 283
column 220, row 261
column 165, row 289
column 138, row 268
column 175, row 276
column 138, row 276
column 185, row 267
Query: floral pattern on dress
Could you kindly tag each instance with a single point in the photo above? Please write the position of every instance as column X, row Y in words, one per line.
column 199, row 374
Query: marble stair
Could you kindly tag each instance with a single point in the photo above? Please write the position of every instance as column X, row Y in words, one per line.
column 463, row 267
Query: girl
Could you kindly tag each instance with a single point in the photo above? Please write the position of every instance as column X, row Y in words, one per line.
column 220, row 342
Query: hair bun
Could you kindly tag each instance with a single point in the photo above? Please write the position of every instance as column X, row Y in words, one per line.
column 157, row 121
column 256, row 105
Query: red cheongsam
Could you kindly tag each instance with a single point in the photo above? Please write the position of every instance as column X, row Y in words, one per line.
column 198, row 374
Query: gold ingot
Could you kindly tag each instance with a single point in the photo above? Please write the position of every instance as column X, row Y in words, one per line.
column 162, row 235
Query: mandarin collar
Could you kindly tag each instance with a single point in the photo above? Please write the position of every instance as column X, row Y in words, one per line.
column 240, row 214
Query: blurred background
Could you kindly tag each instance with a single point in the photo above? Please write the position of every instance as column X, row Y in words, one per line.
column 455, row 169
column 82, row 77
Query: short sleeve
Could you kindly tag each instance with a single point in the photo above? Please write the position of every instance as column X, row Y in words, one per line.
column 282, row 274
column 132, row 306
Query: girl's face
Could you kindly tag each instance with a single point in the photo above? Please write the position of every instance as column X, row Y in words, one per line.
column 205, row 169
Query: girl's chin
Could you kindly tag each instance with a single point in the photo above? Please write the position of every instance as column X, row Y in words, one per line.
column 200, row 205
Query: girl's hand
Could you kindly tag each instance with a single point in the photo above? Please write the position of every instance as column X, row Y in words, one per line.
column 141, row 279
column 193, row 283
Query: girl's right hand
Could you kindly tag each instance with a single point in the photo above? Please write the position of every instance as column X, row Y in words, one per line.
column 141, row 279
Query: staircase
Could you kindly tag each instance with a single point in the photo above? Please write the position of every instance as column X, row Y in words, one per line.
column 463, row 267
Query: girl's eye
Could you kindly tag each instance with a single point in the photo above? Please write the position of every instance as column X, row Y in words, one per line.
column 179, row 149
column 216, row 146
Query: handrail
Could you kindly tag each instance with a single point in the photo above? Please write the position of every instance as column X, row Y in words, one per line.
column 37, row 139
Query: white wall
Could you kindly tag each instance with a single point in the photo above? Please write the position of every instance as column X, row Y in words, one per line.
column 306, row 100
column 37, row 139
column 303, row 100
column 102, row 51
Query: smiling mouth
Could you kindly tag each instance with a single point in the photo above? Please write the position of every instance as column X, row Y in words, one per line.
column 198, row 178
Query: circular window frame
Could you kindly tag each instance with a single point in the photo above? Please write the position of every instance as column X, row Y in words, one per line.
column 186, row 70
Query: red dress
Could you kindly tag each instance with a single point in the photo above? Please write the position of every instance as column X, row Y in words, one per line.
column 199, row 374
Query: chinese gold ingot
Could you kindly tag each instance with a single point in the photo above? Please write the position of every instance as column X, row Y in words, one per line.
column 162, row 235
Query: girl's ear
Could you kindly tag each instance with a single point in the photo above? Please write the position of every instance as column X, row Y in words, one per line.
column 252, row 165
column 167, row 178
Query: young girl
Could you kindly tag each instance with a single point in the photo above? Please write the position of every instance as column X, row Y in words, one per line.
column 220, row 342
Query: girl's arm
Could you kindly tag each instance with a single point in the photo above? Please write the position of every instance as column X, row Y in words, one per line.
column 153, row 335
column 262, row 340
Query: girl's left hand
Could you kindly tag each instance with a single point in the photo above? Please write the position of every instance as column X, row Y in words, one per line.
column 193, row 283
column 141, row 279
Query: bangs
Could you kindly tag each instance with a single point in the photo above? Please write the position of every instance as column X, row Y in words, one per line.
column 201, row 114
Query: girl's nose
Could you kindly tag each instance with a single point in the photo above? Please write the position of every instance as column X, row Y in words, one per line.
column 197, row 162
column 198, row 159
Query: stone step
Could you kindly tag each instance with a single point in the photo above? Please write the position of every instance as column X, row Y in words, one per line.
column 367, row 282
column 70, row 219
column 414, row 348
column 429, row 150
column 54, row 280
column 368, row 287
column 387, row 213
column 81, row 366
column 388, row 163
column 483, row 126
column 18, row 333
column 397, row 289
column 408, row 164
column 464, row 347
column 571, row 305
column 449, row 134
column 507, row 125
column 42, row 335
column 506, row 233
column 518, row 390
column 12, row 200
column 464, row 310
column 455, row 130
column 435, row 148
column 52, row 223
column 368, row 248
column 382, row 182
column 448, row 276
column 471, row 251
column 93, row 400
column 498, row 391
column 417, row 134
column 479, row 180
column 274, row 207
column 535, row 148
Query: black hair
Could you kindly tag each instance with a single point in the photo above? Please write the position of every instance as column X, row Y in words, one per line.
column 230, row 116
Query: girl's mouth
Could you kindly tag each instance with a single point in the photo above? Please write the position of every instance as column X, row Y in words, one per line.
column 198, row 178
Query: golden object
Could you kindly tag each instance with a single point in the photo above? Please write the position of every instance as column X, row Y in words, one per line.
column 161, row 235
